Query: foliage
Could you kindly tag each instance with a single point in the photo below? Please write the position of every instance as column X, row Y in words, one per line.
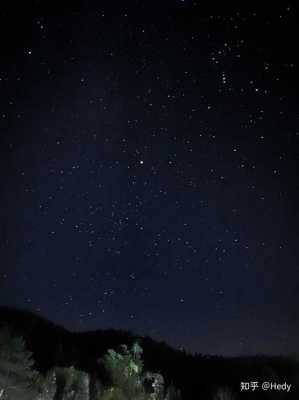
column 46, row 386
column 113, row 394
column 124, row 370
column 224, row 393
column 173, row 393
column 128, row 380
column 196, row 375
column 17, row 376
column 72, row 384
column 154, row 384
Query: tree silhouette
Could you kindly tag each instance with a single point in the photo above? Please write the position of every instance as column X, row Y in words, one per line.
column 16, row 374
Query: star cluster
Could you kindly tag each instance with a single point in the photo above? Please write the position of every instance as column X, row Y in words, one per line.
column 149, row 171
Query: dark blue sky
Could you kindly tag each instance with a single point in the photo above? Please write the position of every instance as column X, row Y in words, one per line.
column 149, row 162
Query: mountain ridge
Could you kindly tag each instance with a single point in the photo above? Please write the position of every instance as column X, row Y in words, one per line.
column 53, row 345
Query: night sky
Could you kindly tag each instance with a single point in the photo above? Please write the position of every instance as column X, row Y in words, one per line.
column 149, row 170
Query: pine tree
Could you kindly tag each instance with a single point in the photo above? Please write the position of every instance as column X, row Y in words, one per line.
column 16, row 374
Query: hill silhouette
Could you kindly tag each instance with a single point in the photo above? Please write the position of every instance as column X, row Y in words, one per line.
column 195, row 375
